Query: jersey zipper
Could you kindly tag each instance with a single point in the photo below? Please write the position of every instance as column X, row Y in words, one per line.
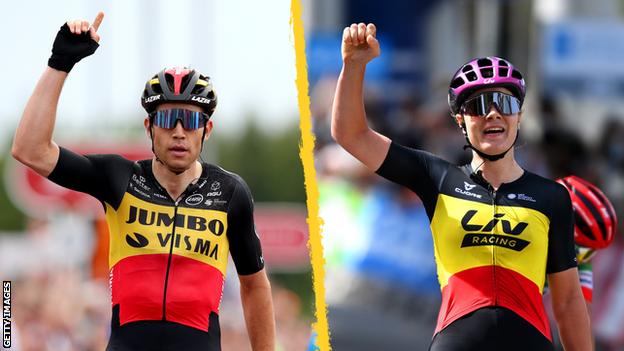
column 492, row 231
column 173, row 230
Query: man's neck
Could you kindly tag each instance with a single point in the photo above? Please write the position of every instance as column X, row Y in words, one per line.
column 505, row 170
column 175, row 184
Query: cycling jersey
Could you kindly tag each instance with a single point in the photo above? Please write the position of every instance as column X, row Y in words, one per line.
column 167, row 257
column 492, row 247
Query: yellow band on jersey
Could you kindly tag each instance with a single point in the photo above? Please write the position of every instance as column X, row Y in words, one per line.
column 139, row 228
column 467, row 234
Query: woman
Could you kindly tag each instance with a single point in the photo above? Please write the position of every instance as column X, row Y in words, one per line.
column 498, row 230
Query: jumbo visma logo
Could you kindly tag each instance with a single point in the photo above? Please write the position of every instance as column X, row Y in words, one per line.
column 186, row 237
column 482, row 234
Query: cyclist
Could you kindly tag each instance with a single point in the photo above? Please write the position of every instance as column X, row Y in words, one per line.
column 172, row 218
column 498, row 230
column 595, row 225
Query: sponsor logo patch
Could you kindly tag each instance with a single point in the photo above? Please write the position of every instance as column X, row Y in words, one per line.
column 482, row 234
column 469, row 186
column 194, row 200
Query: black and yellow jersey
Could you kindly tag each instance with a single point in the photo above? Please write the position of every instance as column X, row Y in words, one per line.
column 167, row 257
column 492, row 247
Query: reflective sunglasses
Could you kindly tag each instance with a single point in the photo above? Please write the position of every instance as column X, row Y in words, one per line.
column 480, row 104
column 168, row 119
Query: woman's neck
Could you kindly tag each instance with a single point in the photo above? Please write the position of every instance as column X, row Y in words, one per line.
column 505, row 170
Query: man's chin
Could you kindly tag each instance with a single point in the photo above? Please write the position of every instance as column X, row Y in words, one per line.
column 178, row 166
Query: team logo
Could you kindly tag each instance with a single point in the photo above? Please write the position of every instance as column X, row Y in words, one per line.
column 215, row 186
column 482, row 234
column 468, row 192
column 194, row 200
column 137, row 241
column 469, row 186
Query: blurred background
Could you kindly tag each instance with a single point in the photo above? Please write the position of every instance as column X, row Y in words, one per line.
column 381, row 283
column 53, row 243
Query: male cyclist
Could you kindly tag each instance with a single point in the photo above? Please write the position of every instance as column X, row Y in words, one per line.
column 498, row 230
column 172, row 219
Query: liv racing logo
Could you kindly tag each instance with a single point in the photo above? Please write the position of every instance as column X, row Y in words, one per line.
column 482, row 234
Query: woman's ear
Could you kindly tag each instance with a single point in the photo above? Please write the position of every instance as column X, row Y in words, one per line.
column 459, row 119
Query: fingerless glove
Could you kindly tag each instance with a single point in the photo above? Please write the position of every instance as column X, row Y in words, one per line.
column 69, row 48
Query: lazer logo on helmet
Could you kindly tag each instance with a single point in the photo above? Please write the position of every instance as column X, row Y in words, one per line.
column 201, row 100
column 482, row 234
column 152, row 98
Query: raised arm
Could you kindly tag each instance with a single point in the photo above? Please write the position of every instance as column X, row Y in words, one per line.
column 33, row 145
column 349, row 127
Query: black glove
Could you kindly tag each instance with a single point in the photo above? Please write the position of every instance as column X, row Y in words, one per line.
column 69, row 48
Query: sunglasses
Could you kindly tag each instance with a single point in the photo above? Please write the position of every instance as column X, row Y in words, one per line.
column 168, row 119
column 480, row 104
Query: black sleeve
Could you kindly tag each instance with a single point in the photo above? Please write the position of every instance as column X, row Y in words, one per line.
column 244, row 242
column 418, row 170
column 104, row 177
column 561, row 252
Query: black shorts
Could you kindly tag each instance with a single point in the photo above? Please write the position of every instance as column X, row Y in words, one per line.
column 490, row 329
column 162, row 336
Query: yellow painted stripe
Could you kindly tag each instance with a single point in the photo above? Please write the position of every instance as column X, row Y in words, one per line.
column 306, row 155
column 202, row 82
column 154, row 81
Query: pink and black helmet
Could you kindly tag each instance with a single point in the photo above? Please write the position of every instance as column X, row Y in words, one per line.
column 179, row 84
column 484, row 72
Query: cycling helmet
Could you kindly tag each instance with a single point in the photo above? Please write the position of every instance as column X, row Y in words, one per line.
column 484, row 72
column 595, row 220
column 179, row 84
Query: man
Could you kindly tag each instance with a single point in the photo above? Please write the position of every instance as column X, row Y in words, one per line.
column 172, row 218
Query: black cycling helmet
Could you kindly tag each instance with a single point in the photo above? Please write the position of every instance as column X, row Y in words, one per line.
column 179, row 84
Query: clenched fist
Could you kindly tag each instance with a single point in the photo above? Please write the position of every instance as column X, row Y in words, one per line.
column 359, row 44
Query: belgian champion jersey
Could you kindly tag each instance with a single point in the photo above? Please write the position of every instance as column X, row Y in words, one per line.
column 168, row 257
column 492, row 247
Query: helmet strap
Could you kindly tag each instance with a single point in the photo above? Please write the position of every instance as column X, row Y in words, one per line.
column 174, row 171
column 491, row 158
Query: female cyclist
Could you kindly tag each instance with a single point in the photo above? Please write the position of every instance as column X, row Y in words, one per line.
column 498, row 229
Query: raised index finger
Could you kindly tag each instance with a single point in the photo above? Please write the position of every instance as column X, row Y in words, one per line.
column 98, row 20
